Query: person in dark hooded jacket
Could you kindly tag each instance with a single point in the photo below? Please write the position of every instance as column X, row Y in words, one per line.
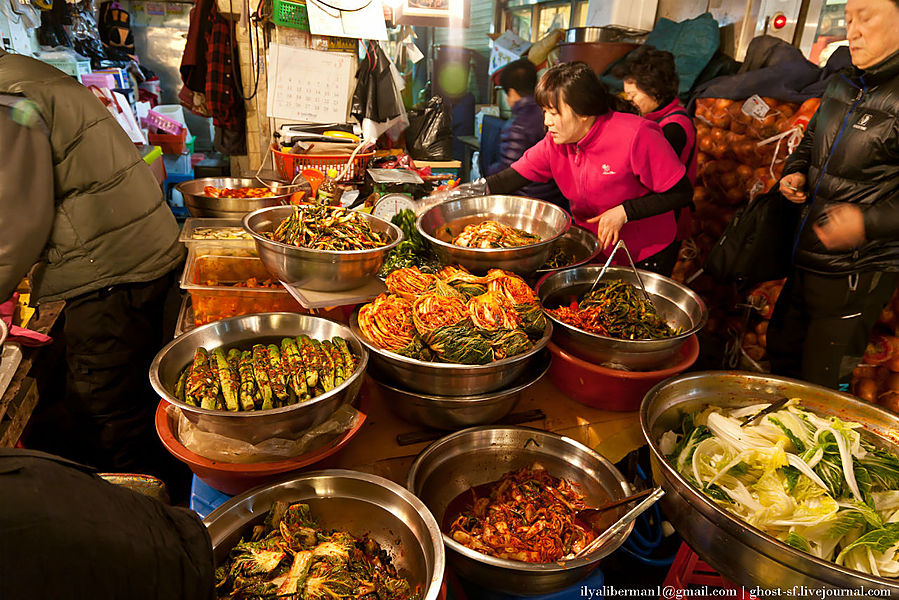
column 69, row 534
column 524, row 129
column 846, row 174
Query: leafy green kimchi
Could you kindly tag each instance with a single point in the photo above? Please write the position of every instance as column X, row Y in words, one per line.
column 290, row 557
column 809, row 481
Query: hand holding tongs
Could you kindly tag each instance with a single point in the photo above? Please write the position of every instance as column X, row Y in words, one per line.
column 620, row 245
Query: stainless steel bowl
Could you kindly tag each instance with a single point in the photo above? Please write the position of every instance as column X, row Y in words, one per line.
column 200, row 205
column 442, row 222
column 580, row 243
column 448, row 379
column 735, row 549
column 455, row 463
column 456, row 412
column 244, row 331
column 319, row 270
column 676, row 303
column 359, row 503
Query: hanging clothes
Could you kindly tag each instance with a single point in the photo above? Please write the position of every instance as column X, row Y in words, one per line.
column 211, row 78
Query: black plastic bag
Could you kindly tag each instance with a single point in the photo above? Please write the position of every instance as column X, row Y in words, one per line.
column 430, row 133
column 757, row 244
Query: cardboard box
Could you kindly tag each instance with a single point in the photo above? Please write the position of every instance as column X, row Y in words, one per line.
column 480, row 111
column 506, row 48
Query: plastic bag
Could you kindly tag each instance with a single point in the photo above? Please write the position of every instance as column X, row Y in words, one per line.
column 430, row 134
column 757, row 244
column 224, row 449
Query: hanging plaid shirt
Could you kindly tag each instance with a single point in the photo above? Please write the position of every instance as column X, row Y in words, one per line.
column 223, row 96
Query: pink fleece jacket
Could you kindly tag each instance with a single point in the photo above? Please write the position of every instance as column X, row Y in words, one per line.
column 623, row 156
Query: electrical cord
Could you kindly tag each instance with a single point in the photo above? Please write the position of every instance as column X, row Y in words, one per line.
column 340, row 10
column 236, row 59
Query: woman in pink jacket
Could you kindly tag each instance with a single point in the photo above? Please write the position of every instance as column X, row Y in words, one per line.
column 621, row 176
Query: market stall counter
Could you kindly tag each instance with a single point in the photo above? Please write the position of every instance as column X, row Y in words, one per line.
column 377, row 450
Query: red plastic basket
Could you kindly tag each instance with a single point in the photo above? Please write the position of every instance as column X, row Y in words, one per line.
column 289, row 165
column 689, row 572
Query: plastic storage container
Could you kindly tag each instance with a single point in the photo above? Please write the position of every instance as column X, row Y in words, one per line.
column 289, row 165
column 193, row 224
column 217, row 302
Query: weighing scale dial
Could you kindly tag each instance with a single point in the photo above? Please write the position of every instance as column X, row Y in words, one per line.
column 391, row 204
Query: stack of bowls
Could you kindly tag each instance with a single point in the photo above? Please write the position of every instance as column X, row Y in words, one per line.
column 618, row 372
column 450, row 395
column 252, row 427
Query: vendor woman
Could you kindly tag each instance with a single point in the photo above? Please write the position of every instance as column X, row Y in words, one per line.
column 621, row 176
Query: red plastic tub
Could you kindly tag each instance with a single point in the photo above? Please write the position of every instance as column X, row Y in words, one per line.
column 612, row 389
column 235, row 478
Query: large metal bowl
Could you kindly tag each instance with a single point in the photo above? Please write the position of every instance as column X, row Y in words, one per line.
column 457, row 412
column 358, row 503
column 448, row 379
column 244, row 331
column 675, row 302
column 200, row 205
column 319, row 270
column 480, row 455
column 735, row 549
column 579, row 243
column 442, row 222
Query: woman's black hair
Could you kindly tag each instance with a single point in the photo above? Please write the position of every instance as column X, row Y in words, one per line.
column 576, row 85
column 653, row 72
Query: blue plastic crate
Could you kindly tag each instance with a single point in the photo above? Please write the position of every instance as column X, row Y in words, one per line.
column 204, row 499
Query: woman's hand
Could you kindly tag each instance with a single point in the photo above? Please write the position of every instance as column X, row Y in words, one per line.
column 608, row 226
column 843, row 229
column 792, row 187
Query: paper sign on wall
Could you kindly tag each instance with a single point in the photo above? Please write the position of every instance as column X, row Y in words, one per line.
column 363, row 19
column 309, row 85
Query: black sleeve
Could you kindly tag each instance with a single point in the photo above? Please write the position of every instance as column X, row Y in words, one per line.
column 506, row 181
column 676, row 136
column 678, row 196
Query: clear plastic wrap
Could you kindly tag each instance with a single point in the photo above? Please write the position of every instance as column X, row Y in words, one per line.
column 224, row 449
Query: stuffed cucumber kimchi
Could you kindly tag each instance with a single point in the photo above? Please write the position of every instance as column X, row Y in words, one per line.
column 811, row 482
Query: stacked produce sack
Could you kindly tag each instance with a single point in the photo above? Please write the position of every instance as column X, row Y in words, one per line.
column 877, row 378
column 740, row 154
column 763, row 298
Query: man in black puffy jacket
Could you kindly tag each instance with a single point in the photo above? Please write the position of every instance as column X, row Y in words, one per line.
column 846, row 173
column 524, row 129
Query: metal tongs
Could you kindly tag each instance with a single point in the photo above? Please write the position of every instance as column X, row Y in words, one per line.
column 773, row 407
column 620, row 246
column 621, row 524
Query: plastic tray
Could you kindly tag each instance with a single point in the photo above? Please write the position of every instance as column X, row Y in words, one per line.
column 193, row 223
column 217, row 302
